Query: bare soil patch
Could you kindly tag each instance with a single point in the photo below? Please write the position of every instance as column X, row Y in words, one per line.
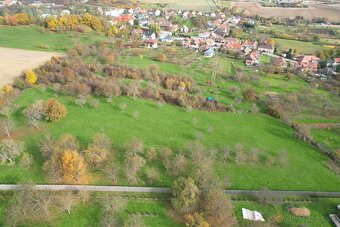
column 14, row 61
column 331, row 12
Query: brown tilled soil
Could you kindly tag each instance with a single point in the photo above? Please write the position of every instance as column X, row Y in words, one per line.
column 331, row 12
column 14, row 61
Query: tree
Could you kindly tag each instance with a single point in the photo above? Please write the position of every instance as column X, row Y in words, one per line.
column 112, row 171
column 10, row 150
column 151, row 154
column 72, row 165
column 184, row 195
column 155, row 28
column 64, row 162
column 35, row 113
column 29, row 206
column 46, row 146
column 54, row 110
column 52, row 23
column 68, row 200
column 97, row 152
column 217, row 208
column 249, row 94
column 132, row 166
column 23, row 18
column 161, row 57
column 195, row 220
column 134, row 147
column 152, row 174
column 30, row 77
column 7, row 126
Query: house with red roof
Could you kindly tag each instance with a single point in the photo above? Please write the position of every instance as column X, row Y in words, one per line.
column 233, row 46
column 151, row 43
column 252, row 58
column 124, row 18
column 307, row 63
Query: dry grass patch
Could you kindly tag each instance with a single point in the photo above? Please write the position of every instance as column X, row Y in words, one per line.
column 300, row 211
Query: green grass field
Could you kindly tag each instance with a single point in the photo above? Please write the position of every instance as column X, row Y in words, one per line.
column 202, row 5
column 31, row 38
column 264, row 59
column 169, row 126
column 329, row 137
column 302, row 47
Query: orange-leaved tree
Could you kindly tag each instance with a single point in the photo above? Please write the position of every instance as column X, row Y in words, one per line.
column 54, row 110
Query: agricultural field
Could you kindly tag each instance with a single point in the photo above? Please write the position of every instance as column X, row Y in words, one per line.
column 201, row 5
column 316, row 10
column 15, row 61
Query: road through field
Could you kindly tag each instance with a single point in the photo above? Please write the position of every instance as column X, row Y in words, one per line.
column 14, row 61
column 95, row 188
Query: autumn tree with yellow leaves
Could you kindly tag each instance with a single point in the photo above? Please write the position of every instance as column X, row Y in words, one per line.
column 30, row 77
column 64, row 163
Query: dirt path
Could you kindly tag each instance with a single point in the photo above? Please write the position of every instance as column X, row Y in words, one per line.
column 14, row 61
column 94, row 188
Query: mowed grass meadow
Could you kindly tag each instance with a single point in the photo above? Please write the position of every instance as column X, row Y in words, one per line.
column 33, row 37
column 168, row 126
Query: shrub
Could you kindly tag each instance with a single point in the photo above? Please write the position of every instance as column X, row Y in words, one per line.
column 161, row 57
column 30, row 77
column 54, row 110
column 249, row 94
column 300, row 211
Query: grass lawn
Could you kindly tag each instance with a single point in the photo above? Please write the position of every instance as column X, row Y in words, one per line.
column 31, row 38
column 169, row 126
column 320, row 209
column 264, row 59
column 329, row 137
column 302, row 47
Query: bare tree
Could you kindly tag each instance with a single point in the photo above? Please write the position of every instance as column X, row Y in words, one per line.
column 112, row 172
column 152, row 174
column 132, row 166
column 46, row 146
column 134, row 147
column 10, row 150
column 35, row 113
column 7, row 127
column 225, row 151
column 253, row 155
column 68, row 200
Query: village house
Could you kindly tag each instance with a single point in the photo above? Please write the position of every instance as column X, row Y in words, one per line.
column 266, row 48
column 124, row 19
column 209, row 52
column 252, row 59
column 151, row 43
column 204, row 35
column 148, row 35
column 184, row 29
column 307, row 63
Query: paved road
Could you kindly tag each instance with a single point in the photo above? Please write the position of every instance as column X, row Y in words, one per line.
column 93, row 188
